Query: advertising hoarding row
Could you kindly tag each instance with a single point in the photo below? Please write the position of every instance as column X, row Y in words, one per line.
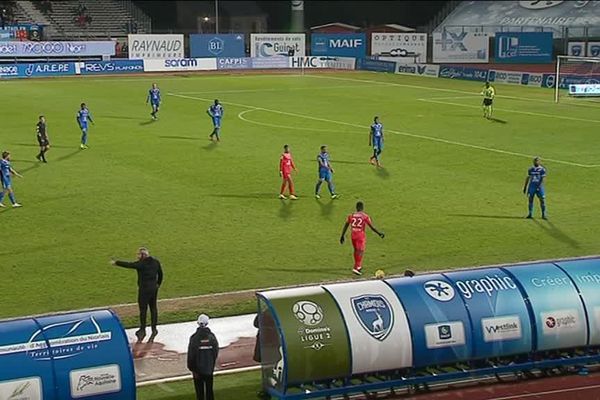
column 407, row 47
column 57, row 49
column 277, row 44
column 338, row 330
column 221, row 45
column 523, row 47
column 581, row 49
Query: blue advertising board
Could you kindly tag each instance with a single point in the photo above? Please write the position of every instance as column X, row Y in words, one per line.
column 56, row 49
column 368, row 64
column 29, row 70
column 111, row 67
column 556, row 308
column 439, row 323
column 234, row 63
column 498, row 313
column 467, row 73
column 269, row 62
column 338, row 44
column 221, row 45
column 523, row 47
column 586, row 276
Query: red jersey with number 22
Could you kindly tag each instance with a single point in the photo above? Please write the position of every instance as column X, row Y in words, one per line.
column 358, row 221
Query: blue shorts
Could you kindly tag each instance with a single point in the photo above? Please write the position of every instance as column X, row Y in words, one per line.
column 84, row 127
column 216, row 122
column 378, row 144
column 6, row 183
column 155, row 104
column 325, row 175
column 536, row 191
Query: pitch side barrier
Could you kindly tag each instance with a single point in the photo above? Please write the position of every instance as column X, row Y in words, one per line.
column 67, row 356
column 377, row 335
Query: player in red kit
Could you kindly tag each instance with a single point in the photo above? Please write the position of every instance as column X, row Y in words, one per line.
column 358, row 221
column 286, row 165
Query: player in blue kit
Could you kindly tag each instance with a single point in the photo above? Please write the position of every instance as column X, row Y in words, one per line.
column 6, row 171
column 215, row 111
column 83, row 115
column 534, row 186
column 325, row 172
column 154, row 99
column 376, row 140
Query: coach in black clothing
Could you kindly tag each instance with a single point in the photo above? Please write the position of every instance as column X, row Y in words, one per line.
column 150, row 278
column 202, row 356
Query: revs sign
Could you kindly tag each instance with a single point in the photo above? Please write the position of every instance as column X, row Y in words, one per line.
column 338, row 44
column 405, row 46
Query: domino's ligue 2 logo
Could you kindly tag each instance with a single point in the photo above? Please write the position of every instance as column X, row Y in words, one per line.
column 439, row 290
column 375, row 315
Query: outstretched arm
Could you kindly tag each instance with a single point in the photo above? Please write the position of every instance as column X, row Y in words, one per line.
column 15, row 173
column 125, row 264
column 344, row 229
column 380, row 234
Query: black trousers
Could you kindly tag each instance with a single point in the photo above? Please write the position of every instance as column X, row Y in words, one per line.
column 204, row 384
column 148, row 299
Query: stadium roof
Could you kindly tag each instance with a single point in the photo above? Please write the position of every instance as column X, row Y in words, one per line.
column 340, row 24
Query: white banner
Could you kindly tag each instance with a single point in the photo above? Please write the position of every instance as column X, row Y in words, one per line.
column 180, row 64
column 416, row 69
column 25, row 388
column 156, row 46
column 513, row 77
column 377, row 325
column 277, row 44
column 322, row 62
column 95, row 381
column 461, row 47
column 407, row 47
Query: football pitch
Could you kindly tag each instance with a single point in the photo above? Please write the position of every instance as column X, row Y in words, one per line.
column 449, row 193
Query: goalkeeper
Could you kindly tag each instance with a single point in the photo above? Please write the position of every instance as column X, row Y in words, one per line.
column 488, row 94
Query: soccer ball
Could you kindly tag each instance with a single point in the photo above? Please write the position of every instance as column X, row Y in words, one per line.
column 379, row 274
column 308, row 313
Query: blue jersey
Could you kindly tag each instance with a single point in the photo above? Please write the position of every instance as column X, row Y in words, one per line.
column 83, row 115
column 215, row 111
column 323, row 160
column 154, row 95
column 5, row 170
column 377, row 131
column 536, row 176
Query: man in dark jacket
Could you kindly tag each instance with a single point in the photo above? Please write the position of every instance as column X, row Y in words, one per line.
column 202, row 356
column 150, row 277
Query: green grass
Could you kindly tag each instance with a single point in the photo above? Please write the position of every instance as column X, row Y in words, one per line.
column 242, row 386
column 210, row 213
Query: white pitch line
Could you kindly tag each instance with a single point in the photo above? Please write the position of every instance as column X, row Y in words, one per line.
column 539, row 394
column 514, row 111
column 298, row 128
column 414, row 135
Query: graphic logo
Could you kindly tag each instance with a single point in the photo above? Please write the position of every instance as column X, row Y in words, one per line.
column 501, row 328
column 538, row 5
column 439, row 290
column 452, row 41
column 95, row 381
column 216, row 46
column 559, row 321
column 488, row 284
column 375, row 315
column 446, row 334
column 308, row 313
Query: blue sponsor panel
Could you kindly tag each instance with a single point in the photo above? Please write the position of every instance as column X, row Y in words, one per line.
column 556, row 308
column 234, row 63
column 467, row 73
column 338, row 44
column 439, row 323
column 21, row 374
column 56, row 49
column 111, row 67
column 91, row 355
column 497, row 310
column 523, row 47
column 31, row 70
column 586, row 275
column 222, row 45
column 368, row 64
column 269, row 62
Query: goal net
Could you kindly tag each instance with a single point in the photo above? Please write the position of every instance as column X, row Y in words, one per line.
column 577, row 77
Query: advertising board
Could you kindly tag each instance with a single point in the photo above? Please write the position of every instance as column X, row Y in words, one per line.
column 405, row 47
column 467, row 73
column 234, row 63
column 322, row 62
column 338, row 44
column 180, row 64
column 156, row 46
column 277, row 44
column 110, row 67
column 368, row 64
column 460, row 47
column 523, row 47
column 221, row 45
column 57, row 49
column 429, row 70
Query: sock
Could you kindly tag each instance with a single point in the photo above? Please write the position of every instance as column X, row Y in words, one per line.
column 331, row 187
column 543, row 206
column 84, row 138
column 291, row 187
column 11, row 196
column 530, row 205
column 39, row 155
column 282, row 187
column 2, row 196
column 318, row 188
column 358, row 260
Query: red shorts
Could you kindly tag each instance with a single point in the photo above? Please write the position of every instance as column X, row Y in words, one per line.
column 359, row 242
column 286, row 175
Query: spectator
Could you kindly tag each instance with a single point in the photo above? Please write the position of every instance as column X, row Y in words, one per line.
column 202, row 355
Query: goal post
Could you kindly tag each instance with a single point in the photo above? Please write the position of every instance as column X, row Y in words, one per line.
column 582, row 73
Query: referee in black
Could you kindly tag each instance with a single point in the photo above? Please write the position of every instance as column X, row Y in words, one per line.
column 42, row 138
column 150, row 277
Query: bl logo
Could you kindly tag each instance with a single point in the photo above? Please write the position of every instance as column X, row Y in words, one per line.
column 216, row 46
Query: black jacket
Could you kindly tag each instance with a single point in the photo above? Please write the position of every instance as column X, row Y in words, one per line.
column 202, row 352
column 150, row 275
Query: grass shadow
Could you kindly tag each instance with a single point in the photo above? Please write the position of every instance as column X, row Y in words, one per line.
column 25, row 170
column 52, row 146
column 553, row 231
column 24, row 161
column 123, row 117
column 211, row 146
column 485, row 216
column 69, row 155
column 382, row 173
column 179, row 137
column 498, row 120
column 149, row 122
column 348, row 162
column 326, row 208
column 266, row 196
column 285, row 211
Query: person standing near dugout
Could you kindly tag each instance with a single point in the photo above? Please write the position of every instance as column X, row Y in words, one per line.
column 150, row 277
column 203, row 350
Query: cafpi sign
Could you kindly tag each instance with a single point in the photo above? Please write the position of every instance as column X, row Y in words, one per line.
column 375, row 315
